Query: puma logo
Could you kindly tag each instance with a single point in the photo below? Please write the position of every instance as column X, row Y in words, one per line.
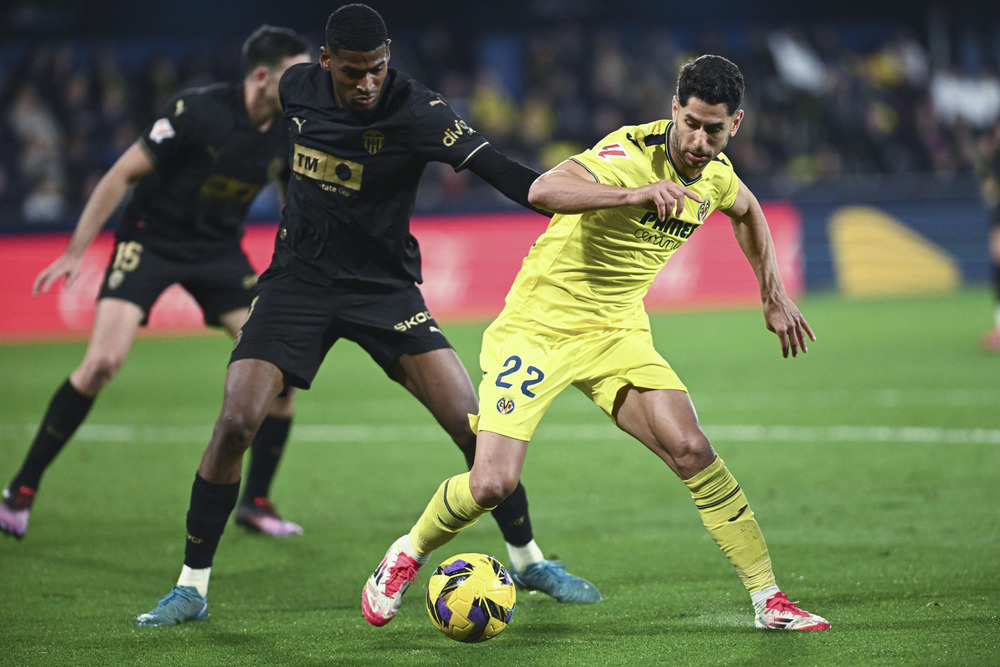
column 299, row 122
column 436, row 102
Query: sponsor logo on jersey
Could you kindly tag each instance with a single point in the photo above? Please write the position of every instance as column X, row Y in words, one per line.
column 667, row 234
column 505, row 405
column 299, row 122
column 659, row 240
column 414, row 321
column 704, row 209
column 228, row 189
column 335, row 173
column 609, row 151
column 162, row 129
column 672, row 226
column 451, row 135
column 373, row 140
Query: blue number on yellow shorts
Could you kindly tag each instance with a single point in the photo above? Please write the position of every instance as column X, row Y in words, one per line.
column 525, row 386
column 512, row 365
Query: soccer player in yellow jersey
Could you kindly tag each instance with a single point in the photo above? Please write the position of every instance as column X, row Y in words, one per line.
column 575, row 316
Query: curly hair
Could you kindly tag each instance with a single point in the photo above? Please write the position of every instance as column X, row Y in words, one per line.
column 712, row 79
column 355, row 27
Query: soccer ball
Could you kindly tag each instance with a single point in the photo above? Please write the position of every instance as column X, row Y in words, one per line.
column 470, row 597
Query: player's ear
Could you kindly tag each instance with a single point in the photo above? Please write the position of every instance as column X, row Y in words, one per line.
column 737, row 119
column 387, row 43
column 260, row 74
column 324, row 58
column 673, row 108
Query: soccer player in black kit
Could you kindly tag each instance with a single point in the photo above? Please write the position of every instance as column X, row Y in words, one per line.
column 195, row 172
column 346, row 266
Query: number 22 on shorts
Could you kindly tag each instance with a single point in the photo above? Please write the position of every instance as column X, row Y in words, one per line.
column 511, row 366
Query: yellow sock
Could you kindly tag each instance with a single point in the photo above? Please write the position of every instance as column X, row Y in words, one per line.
column 727, row 516
column 450, row 511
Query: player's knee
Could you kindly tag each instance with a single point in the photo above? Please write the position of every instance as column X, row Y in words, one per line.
column 234, row 431
column 491, row 490
column 97, row 370
column 691, row 455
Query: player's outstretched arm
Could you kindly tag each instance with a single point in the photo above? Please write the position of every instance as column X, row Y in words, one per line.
column 107, row 196
column 569, row 188
column 511, row 179
column 781, row 315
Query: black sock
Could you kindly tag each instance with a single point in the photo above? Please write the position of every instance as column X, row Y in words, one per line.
column 66, row 412
column 266, row 450
column 512, row 517
column 211, row 505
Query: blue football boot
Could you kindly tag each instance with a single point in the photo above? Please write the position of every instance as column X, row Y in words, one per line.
column 551, row 577
column 183, row 603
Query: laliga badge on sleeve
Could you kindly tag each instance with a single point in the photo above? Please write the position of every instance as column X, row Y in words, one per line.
column 162, row 129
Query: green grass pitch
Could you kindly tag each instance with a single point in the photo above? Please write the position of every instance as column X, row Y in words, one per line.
column 872, row 464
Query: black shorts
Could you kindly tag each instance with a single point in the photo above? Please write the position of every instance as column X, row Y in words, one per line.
column 139, row 274
column 293, row 324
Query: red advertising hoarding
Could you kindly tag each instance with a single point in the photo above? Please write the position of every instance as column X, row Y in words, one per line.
column 469, row 262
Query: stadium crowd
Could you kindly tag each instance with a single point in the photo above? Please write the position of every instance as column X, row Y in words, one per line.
column 825, row 101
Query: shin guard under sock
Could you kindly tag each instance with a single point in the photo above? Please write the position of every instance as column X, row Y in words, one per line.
column 211, row 505
column 450, row 511
column 730, row 521
column 65, row 413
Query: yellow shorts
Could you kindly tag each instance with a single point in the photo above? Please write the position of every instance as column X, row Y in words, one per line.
column 526, row 366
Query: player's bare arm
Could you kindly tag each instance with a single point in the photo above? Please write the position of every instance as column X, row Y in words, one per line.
column 781, row 314
column 109, row 193
column 569, row 188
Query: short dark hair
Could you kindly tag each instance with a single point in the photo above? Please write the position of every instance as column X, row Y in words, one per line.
column 713, row 80
column 355, row 27
column 269, row 45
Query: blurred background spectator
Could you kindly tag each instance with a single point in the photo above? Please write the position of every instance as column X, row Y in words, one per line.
column 901, row 89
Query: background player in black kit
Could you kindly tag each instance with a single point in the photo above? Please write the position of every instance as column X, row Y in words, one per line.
column 195, row 172
column 346, row 266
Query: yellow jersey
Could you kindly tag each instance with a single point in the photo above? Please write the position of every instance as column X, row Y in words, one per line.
column 592, row 269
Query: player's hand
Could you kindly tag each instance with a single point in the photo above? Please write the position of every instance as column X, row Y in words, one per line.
column 664, row 197
column 64, row 267
column 783, row 318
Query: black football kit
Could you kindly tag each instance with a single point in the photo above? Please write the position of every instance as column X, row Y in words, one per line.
column 183, row 222
column 345, row 264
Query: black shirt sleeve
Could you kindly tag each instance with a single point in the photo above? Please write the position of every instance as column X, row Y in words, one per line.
column 510, row 178
column 438, row 134
column 174, row 130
